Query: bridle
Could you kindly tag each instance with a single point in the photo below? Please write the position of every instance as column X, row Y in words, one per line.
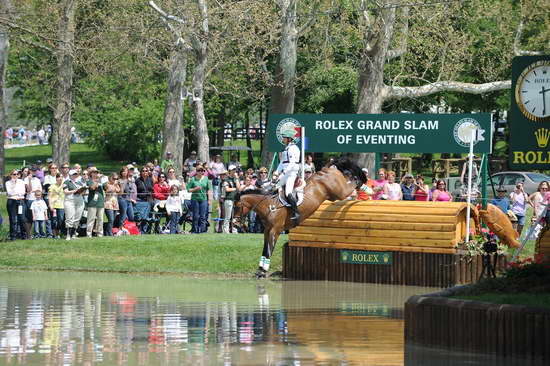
column 253, row 208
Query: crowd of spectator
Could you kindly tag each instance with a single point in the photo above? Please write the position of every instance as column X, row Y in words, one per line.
column 68, row 201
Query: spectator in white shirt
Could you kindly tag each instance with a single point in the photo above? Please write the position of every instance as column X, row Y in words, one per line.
column 174, row 208
column 16, row 190
column 39, row 215
column 33, row 186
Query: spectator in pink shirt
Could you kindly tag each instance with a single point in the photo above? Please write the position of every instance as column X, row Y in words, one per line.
column 379, row 183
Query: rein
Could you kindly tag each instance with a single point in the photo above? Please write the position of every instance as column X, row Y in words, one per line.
column 253, row 207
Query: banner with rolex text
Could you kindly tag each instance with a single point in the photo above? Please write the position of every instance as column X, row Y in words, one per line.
column 389, row 133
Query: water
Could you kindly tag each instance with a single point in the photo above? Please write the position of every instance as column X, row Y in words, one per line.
column 49, row 318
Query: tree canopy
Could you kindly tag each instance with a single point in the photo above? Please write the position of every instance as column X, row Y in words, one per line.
column 122, row 60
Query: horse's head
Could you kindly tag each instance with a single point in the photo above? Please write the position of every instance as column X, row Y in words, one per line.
column 240, row 208
column 341, row 177
column 351, row 171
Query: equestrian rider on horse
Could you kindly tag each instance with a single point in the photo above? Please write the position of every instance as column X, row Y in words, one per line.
column 289, row 168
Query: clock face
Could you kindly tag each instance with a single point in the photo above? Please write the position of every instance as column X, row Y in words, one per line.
column 533, row 91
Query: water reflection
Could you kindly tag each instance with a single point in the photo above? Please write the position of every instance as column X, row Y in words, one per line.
column 89, row 319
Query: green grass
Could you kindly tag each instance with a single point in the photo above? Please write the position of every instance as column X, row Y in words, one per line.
column 231, row 254
column 529, row 299
column 80, row 153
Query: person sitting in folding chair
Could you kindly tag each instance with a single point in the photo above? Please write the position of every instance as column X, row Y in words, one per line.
column 289, row 169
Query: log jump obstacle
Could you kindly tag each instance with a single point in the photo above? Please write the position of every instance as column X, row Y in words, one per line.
column 392, row 242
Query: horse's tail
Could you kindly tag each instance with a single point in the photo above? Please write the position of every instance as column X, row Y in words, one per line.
column 348, row 166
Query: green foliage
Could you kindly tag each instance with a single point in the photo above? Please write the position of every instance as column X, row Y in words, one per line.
column 31, row 71
column 328, row 90
column 121, row 118
column 124, row 132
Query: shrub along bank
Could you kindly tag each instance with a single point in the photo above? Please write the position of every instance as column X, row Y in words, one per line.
column 524, row 283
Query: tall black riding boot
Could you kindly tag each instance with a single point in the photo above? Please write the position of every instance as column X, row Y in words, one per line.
column 294, row 207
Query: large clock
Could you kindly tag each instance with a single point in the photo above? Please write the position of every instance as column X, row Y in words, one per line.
column 533, row 91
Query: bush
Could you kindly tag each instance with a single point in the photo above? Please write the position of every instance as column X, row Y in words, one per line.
column 131, row 134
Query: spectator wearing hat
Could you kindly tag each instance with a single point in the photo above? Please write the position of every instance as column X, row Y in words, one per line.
column 501, row 201
column 235, row 161
column 167, row 162
column 230, row 186
column 96, row 204
column 408, row 187
column 74, row 189
column 190, row 163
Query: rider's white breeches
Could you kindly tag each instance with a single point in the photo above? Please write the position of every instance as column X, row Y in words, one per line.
column 288, row 179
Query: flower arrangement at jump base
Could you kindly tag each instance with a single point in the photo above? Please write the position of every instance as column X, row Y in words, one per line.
column 479, row 245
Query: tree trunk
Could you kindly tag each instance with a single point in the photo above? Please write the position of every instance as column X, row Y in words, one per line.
column 200, row 49
column 283, row 90
column 65, row 57
column 5, row 8
column 250, row 153
column 173, row 134
column 372, row 91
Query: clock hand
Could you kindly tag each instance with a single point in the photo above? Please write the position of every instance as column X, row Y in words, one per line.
column 543, row 91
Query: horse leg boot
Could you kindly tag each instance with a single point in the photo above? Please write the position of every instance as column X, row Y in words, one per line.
column 263, row 267
column 294, row 208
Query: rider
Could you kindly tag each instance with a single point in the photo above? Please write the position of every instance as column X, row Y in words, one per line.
column 289, row 168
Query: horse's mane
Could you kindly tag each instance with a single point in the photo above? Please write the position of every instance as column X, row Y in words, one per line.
column 348, row 167
column 251, row 191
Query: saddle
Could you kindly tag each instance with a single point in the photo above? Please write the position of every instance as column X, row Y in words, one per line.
column 298, row 193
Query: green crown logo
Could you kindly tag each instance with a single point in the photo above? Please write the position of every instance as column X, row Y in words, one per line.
column 345, row 256
column 542, row 135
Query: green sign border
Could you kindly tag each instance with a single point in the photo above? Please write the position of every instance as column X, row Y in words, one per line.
column 383, row 133
column 522, row 139
column 383, row 258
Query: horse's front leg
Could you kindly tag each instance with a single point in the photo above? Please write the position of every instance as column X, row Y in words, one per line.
column 270, row 239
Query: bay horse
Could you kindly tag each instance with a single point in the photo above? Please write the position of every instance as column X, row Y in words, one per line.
column 336, row 181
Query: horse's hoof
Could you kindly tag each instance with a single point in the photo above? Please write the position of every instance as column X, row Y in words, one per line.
column 261, row 273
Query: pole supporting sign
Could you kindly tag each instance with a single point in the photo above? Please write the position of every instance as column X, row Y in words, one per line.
column 390, row 133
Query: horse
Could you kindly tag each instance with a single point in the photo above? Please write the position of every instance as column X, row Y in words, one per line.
column 336, row 181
